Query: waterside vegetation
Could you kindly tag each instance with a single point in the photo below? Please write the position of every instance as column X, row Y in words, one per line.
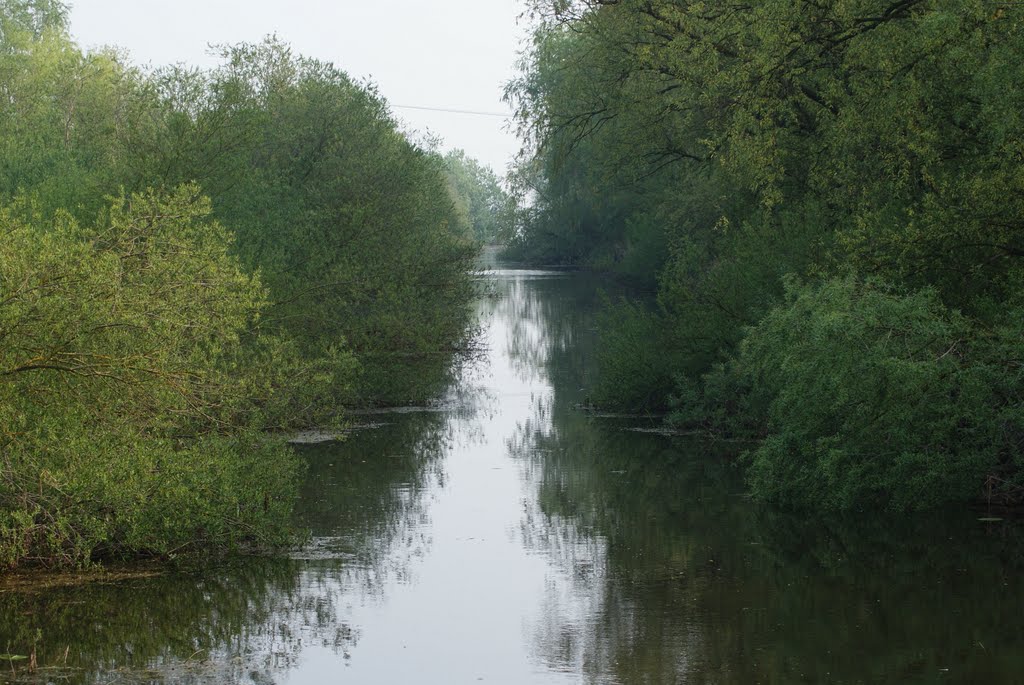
column 828, row 199
column 192, row 262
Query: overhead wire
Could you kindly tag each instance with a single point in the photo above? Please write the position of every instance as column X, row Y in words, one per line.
column 504, row 115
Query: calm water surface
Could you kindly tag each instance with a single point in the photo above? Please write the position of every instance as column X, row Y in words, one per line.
column 505, row 536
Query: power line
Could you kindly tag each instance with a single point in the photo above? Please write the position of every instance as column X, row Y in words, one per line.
column 504, row 115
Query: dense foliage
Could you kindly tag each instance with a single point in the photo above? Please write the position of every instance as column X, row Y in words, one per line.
column 870, row 149
column 354, row 229
column 479, row 196
column 127, row 420
column 191, row 259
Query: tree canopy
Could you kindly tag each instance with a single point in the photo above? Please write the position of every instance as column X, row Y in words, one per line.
column 195, row 258
column 716, row 148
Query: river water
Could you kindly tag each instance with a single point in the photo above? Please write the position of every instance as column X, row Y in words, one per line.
column 506, row 536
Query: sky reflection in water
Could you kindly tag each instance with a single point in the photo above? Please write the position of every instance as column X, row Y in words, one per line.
column 507, row 537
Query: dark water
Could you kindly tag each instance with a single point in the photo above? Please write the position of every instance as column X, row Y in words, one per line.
column 507, row 537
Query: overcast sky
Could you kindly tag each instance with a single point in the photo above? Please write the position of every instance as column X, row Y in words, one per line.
column 449, row 54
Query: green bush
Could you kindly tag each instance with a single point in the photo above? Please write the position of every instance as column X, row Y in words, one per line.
column 94, row 494
column 126, row 419
column 721, row 402
column 631, row 356
column 878, row 398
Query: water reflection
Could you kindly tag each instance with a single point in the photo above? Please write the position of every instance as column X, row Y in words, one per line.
column 244, row 625
column 504, row 536
column 672, row 575
column 698, row 586
column 256, row 620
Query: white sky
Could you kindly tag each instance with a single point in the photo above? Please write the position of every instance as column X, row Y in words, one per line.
column 454, row 54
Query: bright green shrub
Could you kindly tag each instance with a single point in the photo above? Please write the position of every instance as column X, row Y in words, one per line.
column 126, row 419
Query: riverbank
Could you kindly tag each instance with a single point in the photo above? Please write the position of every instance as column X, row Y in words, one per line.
column 508, row 536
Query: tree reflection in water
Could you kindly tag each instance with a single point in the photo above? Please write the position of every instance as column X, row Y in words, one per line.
column 669, row 574
column 540, row 543
column 250, row 621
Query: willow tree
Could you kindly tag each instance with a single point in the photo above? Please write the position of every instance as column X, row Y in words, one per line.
column 877, row 140
column 129, row 413
column 68, row 119
column 479, row 194
column 352, row 226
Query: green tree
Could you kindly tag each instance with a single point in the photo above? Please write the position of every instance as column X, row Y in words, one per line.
column 718, row 147
column 352, row 227
column 65, row 115
column 127, row 424
column 478, row 194
column 876, row 398
column 33, row 16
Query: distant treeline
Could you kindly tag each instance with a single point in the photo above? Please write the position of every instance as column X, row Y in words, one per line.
column 190, row 260
column 829, row 201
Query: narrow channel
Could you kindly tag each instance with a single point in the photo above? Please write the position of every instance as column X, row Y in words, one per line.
column 507, row 536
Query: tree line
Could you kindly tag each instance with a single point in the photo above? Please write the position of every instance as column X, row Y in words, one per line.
column 827, row 199
column 192, row 261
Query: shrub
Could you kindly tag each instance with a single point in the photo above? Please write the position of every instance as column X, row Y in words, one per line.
column 126, row 420
column 632, row 359
column 878, row 398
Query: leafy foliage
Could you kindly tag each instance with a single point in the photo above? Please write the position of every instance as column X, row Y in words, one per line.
column 351, row 226
column 190, row 259
column 876, row 398
column 716, row 148
column 479, row 196
column 631, row 356
column 126, row 423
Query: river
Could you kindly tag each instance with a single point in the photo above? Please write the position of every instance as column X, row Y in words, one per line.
column 506, row 536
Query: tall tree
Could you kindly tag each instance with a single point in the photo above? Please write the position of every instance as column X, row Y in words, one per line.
column 719, row 147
